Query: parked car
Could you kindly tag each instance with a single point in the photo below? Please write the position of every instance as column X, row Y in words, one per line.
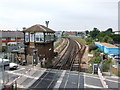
column 117, row 58
column 4, row 62
column 113, row 55
column 8, row 64
column 13, row 66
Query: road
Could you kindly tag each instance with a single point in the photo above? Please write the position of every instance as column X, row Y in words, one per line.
column 53, row 78
column 67, row 79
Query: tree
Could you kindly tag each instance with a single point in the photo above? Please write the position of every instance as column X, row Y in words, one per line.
column 94, row 33
column 116, row 38
column 86, row 32
column 109, row 30
column 107, row 39
column 92, row 47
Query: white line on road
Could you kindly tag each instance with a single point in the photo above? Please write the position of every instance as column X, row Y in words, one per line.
column 91, row 86
column 34, row 79
column 112, row 80
column 25, row 75
column 58, row 83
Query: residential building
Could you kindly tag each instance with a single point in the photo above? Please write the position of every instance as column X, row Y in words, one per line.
column 117, row 32
column 11, row 37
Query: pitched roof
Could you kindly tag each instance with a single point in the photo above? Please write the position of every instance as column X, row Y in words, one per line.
column 38, row 28
column 11, row 34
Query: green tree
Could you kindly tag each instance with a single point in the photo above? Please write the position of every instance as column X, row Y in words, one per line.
column 109, row 30
column 86, row 32
column 94, row 33
column 107, row 39
column 116, row 38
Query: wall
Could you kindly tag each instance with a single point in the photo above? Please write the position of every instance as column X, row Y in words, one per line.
column 112, row 50
column 107, row 50
column 101, row 47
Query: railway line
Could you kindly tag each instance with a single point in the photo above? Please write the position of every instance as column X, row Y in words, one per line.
column 71, row 58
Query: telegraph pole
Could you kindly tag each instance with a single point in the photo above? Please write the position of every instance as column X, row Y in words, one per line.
column 3, row 78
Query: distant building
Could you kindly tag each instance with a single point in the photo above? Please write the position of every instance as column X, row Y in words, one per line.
column 11, row 37
column 71, row 33
column 58, row 34
column 108, row 48
column 117, row 32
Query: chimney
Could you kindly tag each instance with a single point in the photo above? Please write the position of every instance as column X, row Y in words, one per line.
column 47, row 22
column 24, row 28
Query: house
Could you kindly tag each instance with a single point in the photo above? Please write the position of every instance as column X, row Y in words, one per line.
column 117, row 32
column 108, row 48
column 11, row 37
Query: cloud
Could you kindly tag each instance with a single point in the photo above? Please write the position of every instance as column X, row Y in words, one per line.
column 62, row 14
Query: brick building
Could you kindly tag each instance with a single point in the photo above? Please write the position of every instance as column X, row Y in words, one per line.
column 39, row 43
column 11, row 37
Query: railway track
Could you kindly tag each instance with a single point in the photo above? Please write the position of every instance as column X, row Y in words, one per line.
column 71, row 59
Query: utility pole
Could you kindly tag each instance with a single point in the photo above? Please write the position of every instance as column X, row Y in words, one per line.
column 3, row 78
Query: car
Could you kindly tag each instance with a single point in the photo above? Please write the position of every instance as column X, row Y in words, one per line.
column 111, row 55
column 117, row 58
column 7, row 64
column 4, row 62
column 13, row 65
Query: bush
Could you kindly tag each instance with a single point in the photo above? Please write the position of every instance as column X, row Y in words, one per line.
column 92, row 47
column 97, row 60
column 97, row 52
column 4, row 49
column 106, row 65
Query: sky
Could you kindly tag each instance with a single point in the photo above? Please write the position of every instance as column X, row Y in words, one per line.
column 68, row 15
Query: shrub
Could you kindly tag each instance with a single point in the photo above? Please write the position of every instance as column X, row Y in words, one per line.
column 97, row 60
column 92, row 47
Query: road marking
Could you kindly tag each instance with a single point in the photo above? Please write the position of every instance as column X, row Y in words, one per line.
column 112, row 80
column 42, row 72
column 28, row 76
column 92, row 76
column 58, row 83
column 92, row 86
column 67, row 80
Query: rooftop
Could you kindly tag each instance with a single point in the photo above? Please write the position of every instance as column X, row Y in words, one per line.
column 12, row 34
column 38, row 28
column 107, row 45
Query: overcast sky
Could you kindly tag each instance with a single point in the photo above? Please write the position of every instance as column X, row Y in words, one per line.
column 63, row 14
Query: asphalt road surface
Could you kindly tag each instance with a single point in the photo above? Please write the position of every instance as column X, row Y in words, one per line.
column 52, row 78
column 67, row 79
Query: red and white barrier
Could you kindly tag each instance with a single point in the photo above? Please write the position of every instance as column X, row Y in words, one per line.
column 103, row 81
column 29, row 70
